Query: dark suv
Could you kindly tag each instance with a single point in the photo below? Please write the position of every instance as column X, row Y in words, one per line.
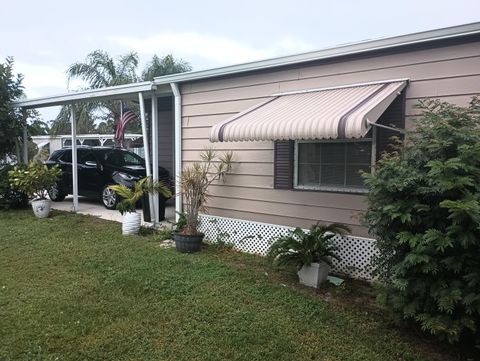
column 99, row 167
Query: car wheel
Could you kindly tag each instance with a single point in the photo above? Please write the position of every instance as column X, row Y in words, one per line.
column 56, row 194
column 109, row 197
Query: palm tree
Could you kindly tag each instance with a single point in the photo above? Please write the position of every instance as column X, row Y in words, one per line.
column 164, row 66
column 98, row 71
column 85, row 122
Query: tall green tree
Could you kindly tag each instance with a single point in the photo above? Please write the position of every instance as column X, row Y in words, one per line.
column 99, row 70
column 11, row 119
column 164, row 66
column 84, row 116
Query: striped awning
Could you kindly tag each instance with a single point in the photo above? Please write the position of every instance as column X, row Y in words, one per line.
column 330, row 113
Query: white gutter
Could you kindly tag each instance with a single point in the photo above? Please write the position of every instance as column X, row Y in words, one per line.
column 328, row 53
column 113, row 92
column 146, row 148
column 178, row 149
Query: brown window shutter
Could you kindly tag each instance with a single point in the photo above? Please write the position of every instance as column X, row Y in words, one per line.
column 394, row 116
column 283, row 164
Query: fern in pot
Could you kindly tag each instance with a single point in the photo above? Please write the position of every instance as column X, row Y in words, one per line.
column 195, row 181
column 130, row 197
column 311, row 252
column 33, row 181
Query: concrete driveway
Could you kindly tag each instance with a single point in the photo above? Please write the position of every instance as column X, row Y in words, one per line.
column 95, row 208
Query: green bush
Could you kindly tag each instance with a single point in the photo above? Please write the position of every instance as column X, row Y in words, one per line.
column 35, row 179
column 9, row 197
column 424, row 210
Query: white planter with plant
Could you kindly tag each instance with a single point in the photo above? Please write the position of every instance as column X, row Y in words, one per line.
column 311, row 252
column 34, row 180
column 41, row 208
column 195, row 182
column 130, row 197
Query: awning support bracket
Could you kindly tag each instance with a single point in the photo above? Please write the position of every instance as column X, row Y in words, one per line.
column 401, row 131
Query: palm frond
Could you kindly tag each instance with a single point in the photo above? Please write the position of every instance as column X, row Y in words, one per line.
column 302, row 248
column 123, row 191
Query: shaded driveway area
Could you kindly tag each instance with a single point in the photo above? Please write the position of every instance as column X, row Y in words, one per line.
column 95, row 208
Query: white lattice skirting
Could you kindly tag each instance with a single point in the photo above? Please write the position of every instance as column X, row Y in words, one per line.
column 253, row 237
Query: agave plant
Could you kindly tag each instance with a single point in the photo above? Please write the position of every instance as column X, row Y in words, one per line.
column 130, row 197
column 302, row 248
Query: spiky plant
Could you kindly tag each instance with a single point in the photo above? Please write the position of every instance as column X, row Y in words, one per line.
column 302, row 248
column 130, row 197
column 195, row 182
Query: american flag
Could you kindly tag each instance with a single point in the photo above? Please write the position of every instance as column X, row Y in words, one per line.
column 126, row 118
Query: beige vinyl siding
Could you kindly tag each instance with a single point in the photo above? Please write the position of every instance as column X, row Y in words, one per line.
column 450, row 73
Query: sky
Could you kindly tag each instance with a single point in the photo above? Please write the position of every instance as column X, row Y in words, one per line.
column 45, row 37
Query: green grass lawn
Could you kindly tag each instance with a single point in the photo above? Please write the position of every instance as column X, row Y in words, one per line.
column 72, row 288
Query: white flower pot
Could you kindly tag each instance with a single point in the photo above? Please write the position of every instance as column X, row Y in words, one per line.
column 41, row 208
column 314, row 275
column 131, row 223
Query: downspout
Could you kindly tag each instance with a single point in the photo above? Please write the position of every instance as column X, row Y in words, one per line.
column 146, row 147
column 178, row 149
column 154, row 119
column 25, row 145
column 74, row 158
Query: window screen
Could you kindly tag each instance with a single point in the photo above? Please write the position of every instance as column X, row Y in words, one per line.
column 333, row 165
column 66, row 157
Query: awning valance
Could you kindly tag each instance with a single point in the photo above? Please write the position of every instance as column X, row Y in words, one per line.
column 330, row 113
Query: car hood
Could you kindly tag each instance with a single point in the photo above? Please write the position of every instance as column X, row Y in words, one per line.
column 134, row 170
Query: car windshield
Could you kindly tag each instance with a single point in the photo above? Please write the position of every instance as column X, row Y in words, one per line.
column 122, row 158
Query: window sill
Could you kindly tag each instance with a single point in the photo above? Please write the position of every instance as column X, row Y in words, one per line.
column 332, row 189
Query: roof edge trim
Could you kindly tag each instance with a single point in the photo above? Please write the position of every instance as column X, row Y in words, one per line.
column 327, row 53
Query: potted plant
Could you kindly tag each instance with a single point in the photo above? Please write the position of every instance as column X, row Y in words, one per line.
column 195, row 181
column 311, row 252
column 34, row 180
column 130, row 197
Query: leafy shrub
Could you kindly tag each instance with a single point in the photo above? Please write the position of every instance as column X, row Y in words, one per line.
column 35, row 179
column 9, row 197
column 302, row 248
column 424, row 210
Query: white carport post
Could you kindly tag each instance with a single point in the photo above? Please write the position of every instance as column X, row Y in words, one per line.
column 74, row 158
column 178, row 150
column 147, row 150
column 155, row 154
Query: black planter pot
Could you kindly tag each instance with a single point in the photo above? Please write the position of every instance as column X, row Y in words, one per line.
column 185, row 243
column 146, row 209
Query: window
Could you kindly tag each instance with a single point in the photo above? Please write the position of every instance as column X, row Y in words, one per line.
column 67, row 156
column 332, row 165
column 86, row 156
column 122, row 158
